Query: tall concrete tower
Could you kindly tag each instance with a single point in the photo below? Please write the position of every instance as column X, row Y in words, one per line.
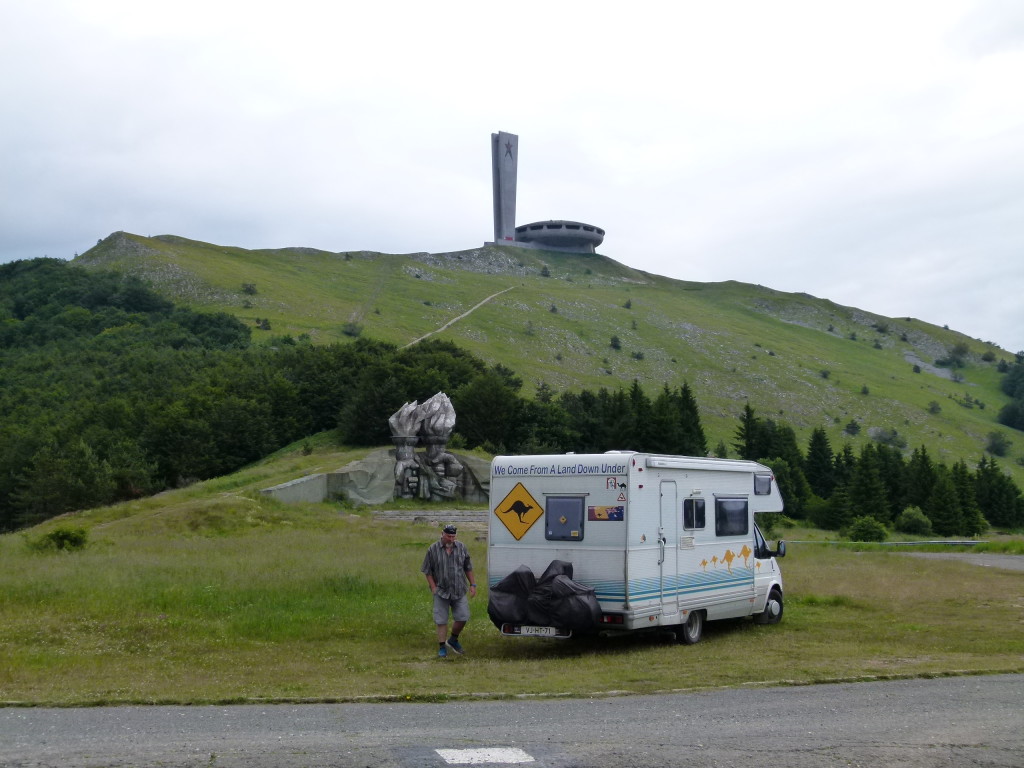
column 504, row 164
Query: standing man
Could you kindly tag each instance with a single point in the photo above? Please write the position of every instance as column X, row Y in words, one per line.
column 448, row 570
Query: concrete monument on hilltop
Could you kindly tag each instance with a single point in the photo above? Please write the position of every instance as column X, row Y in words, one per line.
column 554, row 235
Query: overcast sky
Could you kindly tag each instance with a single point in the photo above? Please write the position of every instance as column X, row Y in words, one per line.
column 871, row 153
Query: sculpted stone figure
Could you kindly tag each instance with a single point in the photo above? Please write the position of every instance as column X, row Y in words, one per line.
column 436, row 474
column 405, row 424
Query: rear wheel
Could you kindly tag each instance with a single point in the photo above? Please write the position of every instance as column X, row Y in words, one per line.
column 690, row 631
column 772, row 613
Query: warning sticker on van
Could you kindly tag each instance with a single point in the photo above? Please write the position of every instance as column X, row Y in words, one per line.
column 518, row 511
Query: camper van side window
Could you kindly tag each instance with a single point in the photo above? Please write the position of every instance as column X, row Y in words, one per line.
column 762, row 485
column 731, row 517
column 563, row 518
column 693, row 514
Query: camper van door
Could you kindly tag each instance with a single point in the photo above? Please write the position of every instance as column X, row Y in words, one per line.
column 668, row 548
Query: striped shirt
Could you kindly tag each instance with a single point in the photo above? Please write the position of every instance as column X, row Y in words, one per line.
column 448, row 571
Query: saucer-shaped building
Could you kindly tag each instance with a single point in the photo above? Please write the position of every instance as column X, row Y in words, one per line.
column 561, row 234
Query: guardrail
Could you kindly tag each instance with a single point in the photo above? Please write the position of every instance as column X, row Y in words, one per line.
column 946, row 542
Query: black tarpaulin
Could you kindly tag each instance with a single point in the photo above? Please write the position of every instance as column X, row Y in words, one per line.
column 553, row 600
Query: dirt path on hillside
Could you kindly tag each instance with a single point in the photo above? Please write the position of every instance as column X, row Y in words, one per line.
column 456, row 319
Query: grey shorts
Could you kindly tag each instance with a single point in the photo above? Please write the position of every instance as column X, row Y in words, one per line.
column 459, row 608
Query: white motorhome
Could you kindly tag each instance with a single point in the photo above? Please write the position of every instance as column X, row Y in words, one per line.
column 664, row 541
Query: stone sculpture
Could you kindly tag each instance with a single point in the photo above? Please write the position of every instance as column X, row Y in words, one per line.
column 435, row 474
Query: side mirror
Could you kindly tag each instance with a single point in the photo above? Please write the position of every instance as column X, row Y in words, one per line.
column 780, row 550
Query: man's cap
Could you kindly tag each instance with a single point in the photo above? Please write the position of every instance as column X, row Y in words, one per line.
column 449, row 529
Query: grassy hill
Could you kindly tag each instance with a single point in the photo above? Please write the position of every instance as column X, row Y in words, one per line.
column 551, row 317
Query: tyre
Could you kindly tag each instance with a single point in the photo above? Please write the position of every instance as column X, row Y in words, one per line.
column 690, row 631
column 772, row 613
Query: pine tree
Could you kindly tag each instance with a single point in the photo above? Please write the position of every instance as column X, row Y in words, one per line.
column 665, row 434
column 693, row 441
column 868, row 495
column 819, row 467
column 640, row 410
column 920, row 479
column 784, row 446
column 943, row 506
column 845, row 463
column 619, row 431
column 838, row 512
column 963, row 480
column 892, row 470
column 998, row 496
column 746, row 436
column 792, row 485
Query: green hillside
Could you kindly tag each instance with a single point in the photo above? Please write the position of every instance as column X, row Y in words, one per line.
column 551, row 317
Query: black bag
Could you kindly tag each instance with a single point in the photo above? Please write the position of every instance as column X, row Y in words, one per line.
column 555, row 600
column 508, row 598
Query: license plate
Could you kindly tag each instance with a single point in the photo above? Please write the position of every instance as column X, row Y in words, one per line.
column 526, row 629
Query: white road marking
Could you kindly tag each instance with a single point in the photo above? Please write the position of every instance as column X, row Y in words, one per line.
column 488, row 755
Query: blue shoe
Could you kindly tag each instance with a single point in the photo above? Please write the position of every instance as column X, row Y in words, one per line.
column 442, row 652
column 455, row 645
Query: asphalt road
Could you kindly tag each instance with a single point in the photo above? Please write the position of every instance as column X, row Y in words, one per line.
column 961, row 721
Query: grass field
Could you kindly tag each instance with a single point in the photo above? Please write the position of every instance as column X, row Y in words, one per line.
column 216, row 594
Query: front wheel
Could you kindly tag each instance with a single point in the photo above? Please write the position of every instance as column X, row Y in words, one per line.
column 692, row 629
column 772, row 613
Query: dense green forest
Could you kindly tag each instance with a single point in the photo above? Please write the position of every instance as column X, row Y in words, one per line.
column 109, row 392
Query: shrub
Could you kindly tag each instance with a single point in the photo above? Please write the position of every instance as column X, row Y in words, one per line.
column 866, row 529
column 355, row 330
column 60, row 540
column 891, row 437
column 998, row 444
column 913, row 521
column 815, row 507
